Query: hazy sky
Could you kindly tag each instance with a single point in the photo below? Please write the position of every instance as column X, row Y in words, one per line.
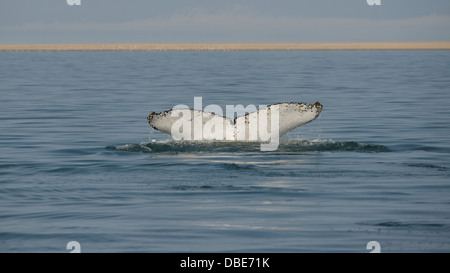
column 104, row 21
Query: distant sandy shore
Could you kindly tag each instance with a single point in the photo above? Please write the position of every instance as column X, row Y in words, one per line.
column 228, row 46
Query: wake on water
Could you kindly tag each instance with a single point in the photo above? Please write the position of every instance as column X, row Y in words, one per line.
column 288, row 145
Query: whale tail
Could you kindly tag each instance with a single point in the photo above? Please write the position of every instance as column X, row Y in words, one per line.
column 189, row 124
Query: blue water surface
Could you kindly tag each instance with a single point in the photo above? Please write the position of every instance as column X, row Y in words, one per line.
column 78, row 161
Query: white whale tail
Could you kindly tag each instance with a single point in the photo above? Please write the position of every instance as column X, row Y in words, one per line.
column 278, row 118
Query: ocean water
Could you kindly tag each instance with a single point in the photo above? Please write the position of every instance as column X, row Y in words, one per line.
column 79, row 162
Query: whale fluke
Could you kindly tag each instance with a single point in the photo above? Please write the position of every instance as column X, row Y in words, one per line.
column 189, row 124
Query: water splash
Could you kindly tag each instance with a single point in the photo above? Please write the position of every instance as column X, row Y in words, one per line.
column 290, row 145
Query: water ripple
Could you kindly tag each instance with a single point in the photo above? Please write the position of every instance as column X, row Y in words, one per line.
column 291, row 145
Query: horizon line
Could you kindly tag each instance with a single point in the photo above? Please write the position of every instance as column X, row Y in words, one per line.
column 231, row 46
